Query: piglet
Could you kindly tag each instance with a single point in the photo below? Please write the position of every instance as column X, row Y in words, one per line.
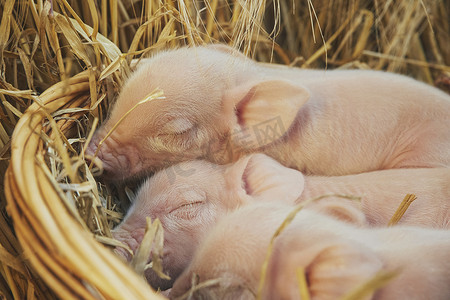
column 221, row 105
column 188, row 198
column 337, row 258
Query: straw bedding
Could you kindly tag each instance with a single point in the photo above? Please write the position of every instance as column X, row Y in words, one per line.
column 63, row 62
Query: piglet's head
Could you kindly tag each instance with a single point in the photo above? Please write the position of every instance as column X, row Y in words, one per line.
column 217, row 107
column 183, row 197
column 188, row 198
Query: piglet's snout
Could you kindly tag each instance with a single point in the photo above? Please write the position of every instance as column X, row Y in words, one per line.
column 115, row 159
column 93, row 153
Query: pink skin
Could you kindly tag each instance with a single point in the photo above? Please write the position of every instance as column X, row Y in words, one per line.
column 189, row 197
column 382, row 191
column 219, row 104
column 337, row 257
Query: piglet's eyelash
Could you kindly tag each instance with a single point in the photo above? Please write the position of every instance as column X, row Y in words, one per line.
column 176, row 133
column 173, row 133
column 181, row 131
column 186, row 206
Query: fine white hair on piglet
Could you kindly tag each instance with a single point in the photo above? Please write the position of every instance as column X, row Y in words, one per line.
column 190, row 197
column 220, row 105
column 338, row 257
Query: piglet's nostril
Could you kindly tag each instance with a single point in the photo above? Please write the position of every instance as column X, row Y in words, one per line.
column 91, row 153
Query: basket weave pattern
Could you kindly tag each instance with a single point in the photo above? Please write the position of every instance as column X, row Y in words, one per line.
column 59, row 248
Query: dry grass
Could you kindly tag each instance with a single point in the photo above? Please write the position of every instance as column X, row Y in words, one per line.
column 63, row 62
column 409, row 198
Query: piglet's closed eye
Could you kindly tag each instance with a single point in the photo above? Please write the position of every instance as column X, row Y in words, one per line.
column 188, row 211
column 177, row 126
column 190, row 205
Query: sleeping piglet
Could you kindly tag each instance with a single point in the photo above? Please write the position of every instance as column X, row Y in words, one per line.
column 337, row 258
column 220, row 105
column 188, row 198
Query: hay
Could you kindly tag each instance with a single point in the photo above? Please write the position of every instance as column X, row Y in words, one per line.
column 404, row 205
column 369, row 287
column 62, row 63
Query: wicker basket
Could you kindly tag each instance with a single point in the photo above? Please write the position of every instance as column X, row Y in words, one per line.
column 58, row 246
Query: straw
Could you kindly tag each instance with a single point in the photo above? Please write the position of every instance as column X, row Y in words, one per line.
column 401, row 210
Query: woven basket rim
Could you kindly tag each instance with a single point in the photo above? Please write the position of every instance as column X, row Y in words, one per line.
column 63, row 253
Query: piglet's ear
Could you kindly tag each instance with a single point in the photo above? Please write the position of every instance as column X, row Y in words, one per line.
column 176, row 126
column 267, row 179
column 331, row 271
column 340, row 269
column 264, row 179
column 264, row 111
